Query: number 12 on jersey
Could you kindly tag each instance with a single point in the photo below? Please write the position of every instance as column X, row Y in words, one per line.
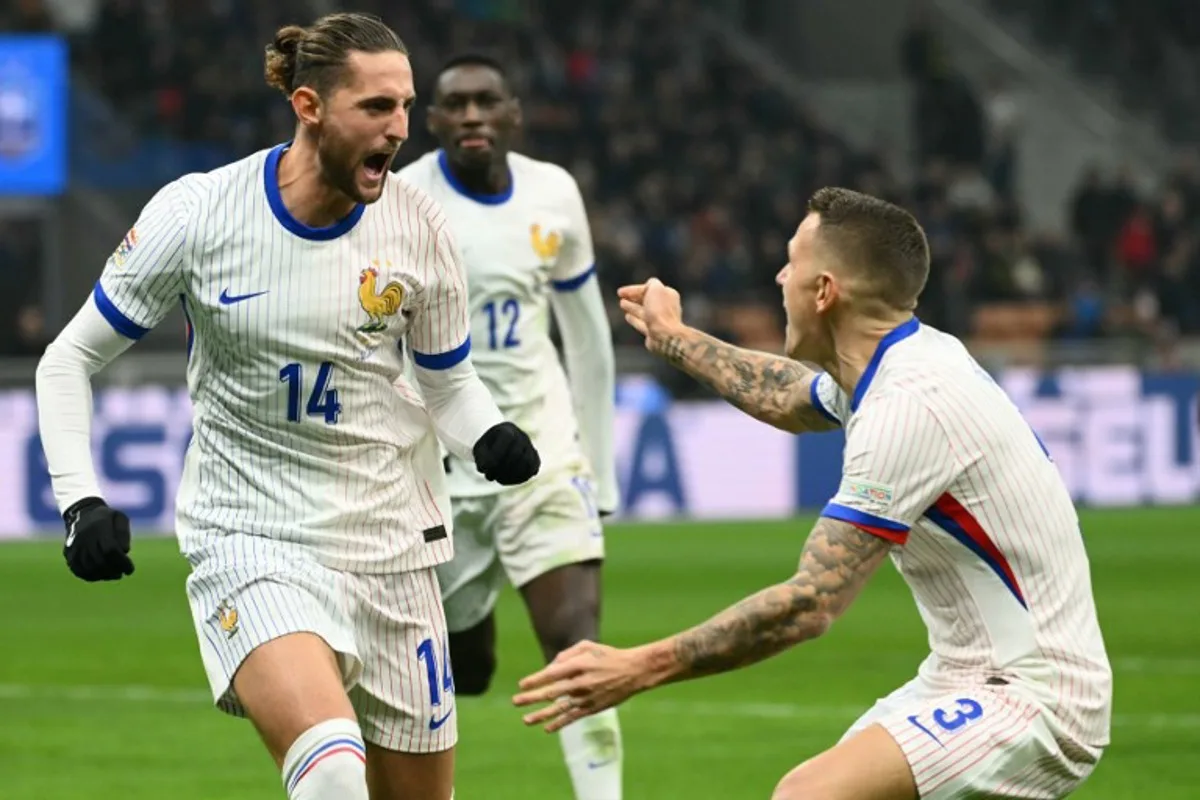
column 322, row 401
column 503, row 315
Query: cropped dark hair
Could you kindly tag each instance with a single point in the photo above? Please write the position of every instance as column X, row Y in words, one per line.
column 477, row 59
column 316, row 56
column 878, row 239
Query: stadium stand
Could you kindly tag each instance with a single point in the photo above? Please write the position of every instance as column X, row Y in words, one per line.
column 1148, row 51
column 694, row 168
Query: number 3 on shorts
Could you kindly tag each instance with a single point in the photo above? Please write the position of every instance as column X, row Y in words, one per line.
column 950, row 720
column 967, row 710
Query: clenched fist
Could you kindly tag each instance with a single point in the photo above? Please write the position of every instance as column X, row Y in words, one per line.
column 654, row 310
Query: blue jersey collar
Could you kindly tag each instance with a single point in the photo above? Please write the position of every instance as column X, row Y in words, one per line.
column 897, row 334
column 478, row 197
column 275, row 200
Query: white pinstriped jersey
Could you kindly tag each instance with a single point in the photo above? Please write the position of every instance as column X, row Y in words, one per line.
column 940, row 461
column 296, row 346
column 516, row 247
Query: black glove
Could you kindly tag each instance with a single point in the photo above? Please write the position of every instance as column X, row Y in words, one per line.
column 97, row 546
column 506, row 455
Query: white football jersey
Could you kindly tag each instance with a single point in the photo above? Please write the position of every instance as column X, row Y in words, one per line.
column 940, row 461
column 517, row 247
column 304, row 428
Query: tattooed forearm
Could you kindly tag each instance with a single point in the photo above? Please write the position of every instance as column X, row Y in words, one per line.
column 836, row 563
column 770, row 388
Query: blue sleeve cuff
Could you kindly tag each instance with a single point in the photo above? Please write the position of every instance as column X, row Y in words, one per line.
column 443, row 360
column 815, row 397
column 121, row 323
column 571, row 284
column 856, row 517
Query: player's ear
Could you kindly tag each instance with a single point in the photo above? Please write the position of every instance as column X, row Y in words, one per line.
column 307, row 105
column 828, row 291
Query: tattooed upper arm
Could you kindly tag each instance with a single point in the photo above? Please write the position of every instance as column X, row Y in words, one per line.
column 837, row 560
column 773, row 389
column 836, row 563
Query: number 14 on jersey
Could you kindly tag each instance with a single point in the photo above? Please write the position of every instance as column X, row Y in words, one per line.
column 322, row 400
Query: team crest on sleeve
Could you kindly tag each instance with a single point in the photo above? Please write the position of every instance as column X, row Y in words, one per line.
column 379, row 302
column 546, row 245
column 125, row 247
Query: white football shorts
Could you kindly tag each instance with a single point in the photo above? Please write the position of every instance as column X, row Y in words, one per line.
column 982, row 741
column 517, row 534
column 388, row 631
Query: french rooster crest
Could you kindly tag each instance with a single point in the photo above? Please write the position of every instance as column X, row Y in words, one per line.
column 378, row 304
column 227, row 616
column 547, row 246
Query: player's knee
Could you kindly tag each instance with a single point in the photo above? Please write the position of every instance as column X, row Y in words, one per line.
column 327, row 760
column 572, row 622
column 472, row 678
column 474, row 665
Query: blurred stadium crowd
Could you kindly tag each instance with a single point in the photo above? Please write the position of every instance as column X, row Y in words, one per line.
column 694, row 168
column 1148, row 49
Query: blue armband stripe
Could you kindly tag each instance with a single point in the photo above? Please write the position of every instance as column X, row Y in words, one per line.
column 571, row 284
column 443, row 360
column 121, row 323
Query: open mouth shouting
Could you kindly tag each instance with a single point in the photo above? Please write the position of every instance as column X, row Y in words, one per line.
column 375, row 166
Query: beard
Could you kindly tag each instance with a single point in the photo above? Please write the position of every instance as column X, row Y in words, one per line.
column 339, row 161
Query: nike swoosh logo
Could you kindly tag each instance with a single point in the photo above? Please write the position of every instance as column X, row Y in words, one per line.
column 71, row 534
column 435, row 723
column 228, row 299
column 599, row 764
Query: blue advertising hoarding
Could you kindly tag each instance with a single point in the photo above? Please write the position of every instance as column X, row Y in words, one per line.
column 33, row 103
column 1120, row 437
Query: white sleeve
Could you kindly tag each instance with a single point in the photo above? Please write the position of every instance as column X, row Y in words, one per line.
column 898, row 461
column 141, row 281
column 828, row 398
column 591, row 367
column 461, row 406
column 576, row 259
column 64, row 400
column 143, row 278
column 441, row 332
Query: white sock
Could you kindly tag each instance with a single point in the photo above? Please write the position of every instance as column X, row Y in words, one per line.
column 592, row 750
column 327, row 762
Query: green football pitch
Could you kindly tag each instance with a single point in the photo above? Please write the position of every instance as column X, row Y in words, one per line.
column 102, row 694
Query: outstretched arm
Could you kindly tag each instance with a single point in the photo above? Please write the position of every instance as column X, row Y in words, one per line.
column 773, row 389
column 836, row 563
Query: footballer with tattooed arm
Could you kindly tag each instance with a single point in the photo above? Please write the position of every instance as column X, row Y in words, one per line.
column 941, row 473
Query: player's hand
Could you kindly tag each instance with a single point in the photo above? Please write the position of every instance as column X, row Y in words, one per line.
column 584, row 679
column 97, row 543
column 506, row 455
column 654, row 310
